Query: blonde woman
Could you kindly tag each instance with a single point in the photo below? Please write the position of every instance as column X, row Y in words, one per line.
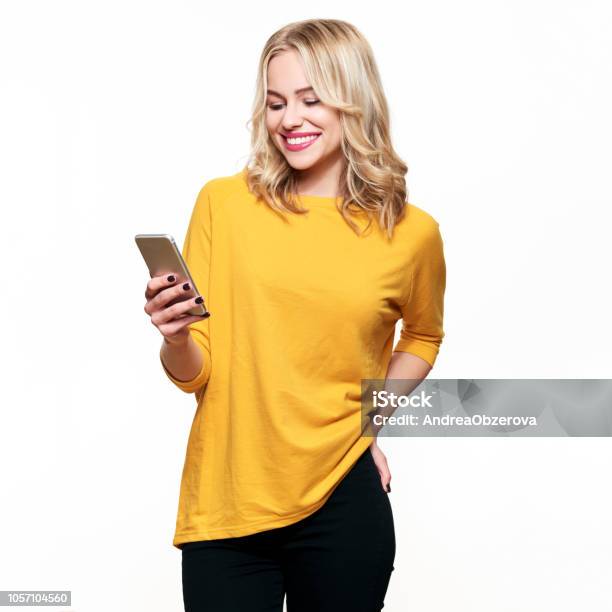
column 306, row 259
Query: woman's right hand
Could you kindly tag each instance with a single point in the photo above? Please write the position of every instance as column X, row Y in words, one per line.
column 171, row 321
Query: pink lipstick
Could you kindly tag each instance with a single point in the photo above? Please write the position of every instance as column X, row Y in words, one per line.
column 308, row 139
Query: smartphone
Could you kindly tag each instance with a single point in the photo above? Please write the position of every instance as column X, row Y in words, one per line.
column 162, row 256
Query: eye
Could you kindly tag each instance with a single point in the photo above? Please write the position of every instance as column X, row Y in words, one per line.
column 277, row 105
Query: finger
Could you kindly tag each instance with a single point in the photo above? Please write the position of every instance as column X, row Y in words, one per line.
column 169, row 329
column 168, row 294
column 157, row 283
column 166, row 315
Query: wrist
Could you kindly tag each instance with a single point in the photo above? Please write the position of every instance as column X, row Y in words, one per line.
column 177, row 340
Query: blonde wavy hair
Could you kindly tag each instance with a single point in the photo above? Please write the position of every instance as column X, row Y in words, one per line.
column 340, row 66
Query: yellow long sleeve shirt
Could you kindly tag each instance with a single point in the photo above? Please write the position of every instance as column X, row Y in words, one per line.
column 302, row 310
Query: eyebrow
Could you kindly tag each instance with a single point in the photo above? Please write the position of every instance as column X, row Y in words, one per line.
column 297, row 91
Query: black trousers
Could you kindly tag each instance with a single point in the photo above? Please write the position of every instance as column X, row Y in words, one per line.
column 339, row 558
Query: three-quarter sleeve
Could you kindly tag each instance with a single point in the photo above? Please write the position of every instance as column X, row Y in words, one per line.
column 197, row 254
column 423, row 311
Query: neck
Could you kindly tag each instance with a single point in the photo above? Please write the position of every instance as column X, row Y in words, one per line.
column 321, row 180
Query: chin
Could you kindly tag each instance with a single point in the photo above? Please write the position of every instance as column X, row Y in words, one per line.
column 302, row 165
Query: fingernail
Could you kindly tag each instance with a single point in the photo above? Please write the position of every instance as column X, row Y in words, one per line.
column 171, row 278
column 186, row 286
column 205, row 315
column 388, row 488
column 199, row 299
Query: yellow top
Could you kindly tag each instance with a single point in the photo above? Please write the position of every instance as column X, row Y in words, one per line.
column 301, row 309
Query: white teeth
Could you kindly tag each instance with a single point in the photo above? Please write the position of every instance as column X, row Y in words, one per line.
column 294, row 141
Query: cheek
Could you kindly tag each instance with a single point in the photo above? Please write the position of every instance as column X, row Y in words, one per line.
column 271, row 119
column 271, row 129
column 328, row 122
column 332, row 137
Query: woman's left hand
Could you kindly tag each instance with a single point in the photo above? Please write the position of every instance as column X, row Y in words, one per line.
column 381, row 465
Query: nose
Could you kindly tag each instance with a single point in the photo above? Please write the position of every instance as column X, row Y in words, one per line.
column 291, row 118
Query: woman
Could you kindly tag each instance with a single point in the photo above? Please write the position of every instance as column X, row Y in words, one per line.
column 306, row 260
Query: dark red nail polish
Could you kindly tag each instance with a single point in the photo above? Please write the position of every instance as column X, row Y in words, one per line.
column 171, row 278
column 199, row 299
column 186, row 286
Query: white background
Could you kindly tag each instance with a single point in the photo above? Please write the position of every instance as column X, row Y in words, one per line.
column 112, row 117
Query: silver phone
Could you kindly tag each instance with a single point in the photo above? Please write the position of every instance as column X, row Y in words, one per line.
column 162, row 256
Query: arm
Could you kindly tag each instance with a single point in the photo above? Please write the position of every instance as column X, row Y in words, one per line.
column 423, row 311
column 184, row 364
column 187, row 362
column 422, row 318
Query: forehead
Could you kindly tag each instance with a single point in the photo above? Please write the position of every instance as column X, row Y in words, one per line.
column 286, row 75
column 305, row 89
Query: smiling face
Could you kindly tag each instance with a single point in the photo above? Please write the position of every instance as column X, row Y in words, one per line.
column 293, row 110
